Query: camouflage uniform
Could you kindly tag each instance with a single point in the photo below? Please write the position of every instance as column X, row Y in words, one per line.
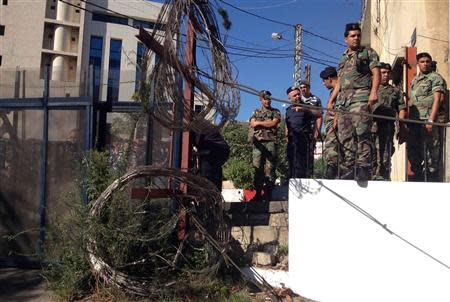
column 422, row 145
column 331, row 149
column 313, row 101
column 390, row 102
column 265, row 148
column 354, row 131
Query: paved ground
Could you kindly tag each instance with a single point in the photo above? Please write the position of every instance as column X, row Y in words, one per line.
column 19, row 285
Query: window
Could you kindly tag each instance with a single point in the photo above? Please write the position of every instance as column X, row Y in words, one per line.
column 0, row 60
column 141, row 49
column 5, row 2
column 95, row 59
column 52, row 7
column 109, row 18
column 2, row 30
column 147, row 24
column 115, row 51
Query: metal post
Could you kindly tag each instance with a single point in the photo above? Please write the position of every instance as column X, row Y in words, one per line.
column 297, row 55
column 188, row 101
column 43, row 169
column 308, row 73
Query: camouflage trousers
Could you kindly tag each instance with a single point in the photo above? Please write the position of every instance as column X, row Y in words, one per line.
column 425, row 152
column 354, row 133
column 265, row 157
column 383, row 140
column 331, row 143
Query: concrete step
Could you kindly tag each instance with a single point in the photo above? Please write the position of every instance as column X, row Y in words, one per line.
column 256, row 207
column 260, row 235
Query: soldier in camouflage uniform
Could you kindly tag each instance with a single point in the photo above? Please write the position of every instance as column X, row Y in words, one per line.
column 331, row 150
column 390, row 103
column 425, row 141
column 264, row 123
column 359, row 78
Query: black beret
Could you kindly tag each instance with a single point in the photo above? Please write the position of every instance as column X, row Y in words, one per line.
column 351, row 26
column 385, row 66
column 292, row 88
column 265, row 94
column 328, row 72
column 423, row 55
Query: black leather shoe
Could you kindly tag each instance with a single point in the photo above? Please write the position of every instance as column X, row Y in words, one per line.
column 331, row 172
column 362, row 174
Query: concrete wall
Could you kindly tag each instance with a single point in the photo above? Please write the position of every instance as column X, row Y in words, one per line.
column 338, row 254
column 387, row 27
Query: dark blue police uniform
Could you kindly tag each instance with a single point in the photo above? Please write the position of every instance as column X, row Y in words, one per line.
column 298, row 124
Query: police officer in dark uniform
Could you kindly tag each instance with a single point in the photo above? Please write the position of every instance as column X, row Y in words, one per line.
column 298, row 134
column 212, row 151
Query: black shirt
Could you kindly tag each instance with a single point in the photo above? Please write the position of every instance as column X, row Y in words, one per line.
column 297, row 121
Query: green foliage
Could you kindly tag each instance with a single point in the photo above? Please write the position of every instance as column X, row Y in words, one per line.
column 98, row 175
column 239, row 167
column 240, row 172
column 319, row 168
column 68, row 272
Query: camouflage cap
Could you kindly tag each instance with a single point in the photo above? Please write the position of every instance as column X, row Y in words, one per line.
column 265, row 94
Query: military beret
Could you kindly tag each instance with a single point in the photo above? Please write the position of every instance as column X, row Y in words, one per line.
column 385, row 66
column 351, row 26
column 423, row 55
column 328, row 72
column 304, row 82
column 292, row 88
column 265, row 94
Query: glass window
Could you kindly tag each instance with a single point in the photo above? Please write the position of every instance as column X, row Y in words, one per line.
column 95, row 59
column 2, row 30
column 141, row 49
column 147, row 24
column 115, row 51
column 109, row 18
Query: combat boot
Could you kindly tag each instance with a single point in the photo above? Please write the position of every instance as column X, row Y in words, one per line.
column 331, row 172
column 350, row 175
column 362, row 173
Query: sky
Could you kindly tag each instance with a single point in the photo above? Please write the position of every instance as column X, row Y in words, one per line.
column 323, row 17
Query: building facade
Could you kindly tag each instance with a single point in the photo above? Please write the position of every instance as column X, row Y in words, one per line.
column 398, row 30
column 69, row 36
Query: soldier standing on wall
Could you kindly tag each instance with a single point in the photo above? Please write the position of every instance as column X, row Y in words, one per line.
column 264, row 122
column 390, row 103
column 424, row 142
column 331, row 150
column 359, row 78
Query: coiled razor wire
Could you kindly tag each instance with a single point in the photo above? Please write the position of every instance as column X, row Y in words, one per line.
column 169, row 105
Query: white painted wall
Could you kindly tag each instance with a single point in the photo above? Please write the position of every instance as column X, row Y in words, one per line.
column 337, row 254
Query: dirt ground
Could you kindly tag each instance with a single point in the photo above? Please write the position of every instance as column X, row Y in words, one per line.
column 19, row 285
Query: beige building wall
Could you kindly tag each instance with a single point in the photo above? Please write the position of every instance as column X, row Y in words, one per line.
column 388, row 27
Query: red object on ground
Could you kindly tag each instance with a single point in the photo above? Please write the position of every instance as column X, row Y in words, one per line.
column 249, row 194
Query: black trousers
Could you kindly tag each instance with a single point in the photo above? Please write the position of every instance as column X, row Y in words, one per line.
column 298, row 153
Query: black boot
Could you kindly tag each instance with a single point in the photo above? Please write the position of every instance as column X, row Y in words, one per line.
column 362, row 173
column 331, row 172
column 349, row 175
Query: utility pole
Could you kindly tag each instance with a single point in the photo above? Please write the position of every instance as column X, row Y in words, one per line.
column 308, row 73
column 298, row 55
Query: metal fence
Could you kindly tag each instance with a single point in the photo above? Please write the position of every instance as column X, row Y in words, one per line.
column 45, row 128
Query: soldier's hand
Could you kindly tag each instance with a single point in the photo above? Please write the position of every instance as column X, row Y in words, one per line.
column 429, row 128
column 373, row 98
